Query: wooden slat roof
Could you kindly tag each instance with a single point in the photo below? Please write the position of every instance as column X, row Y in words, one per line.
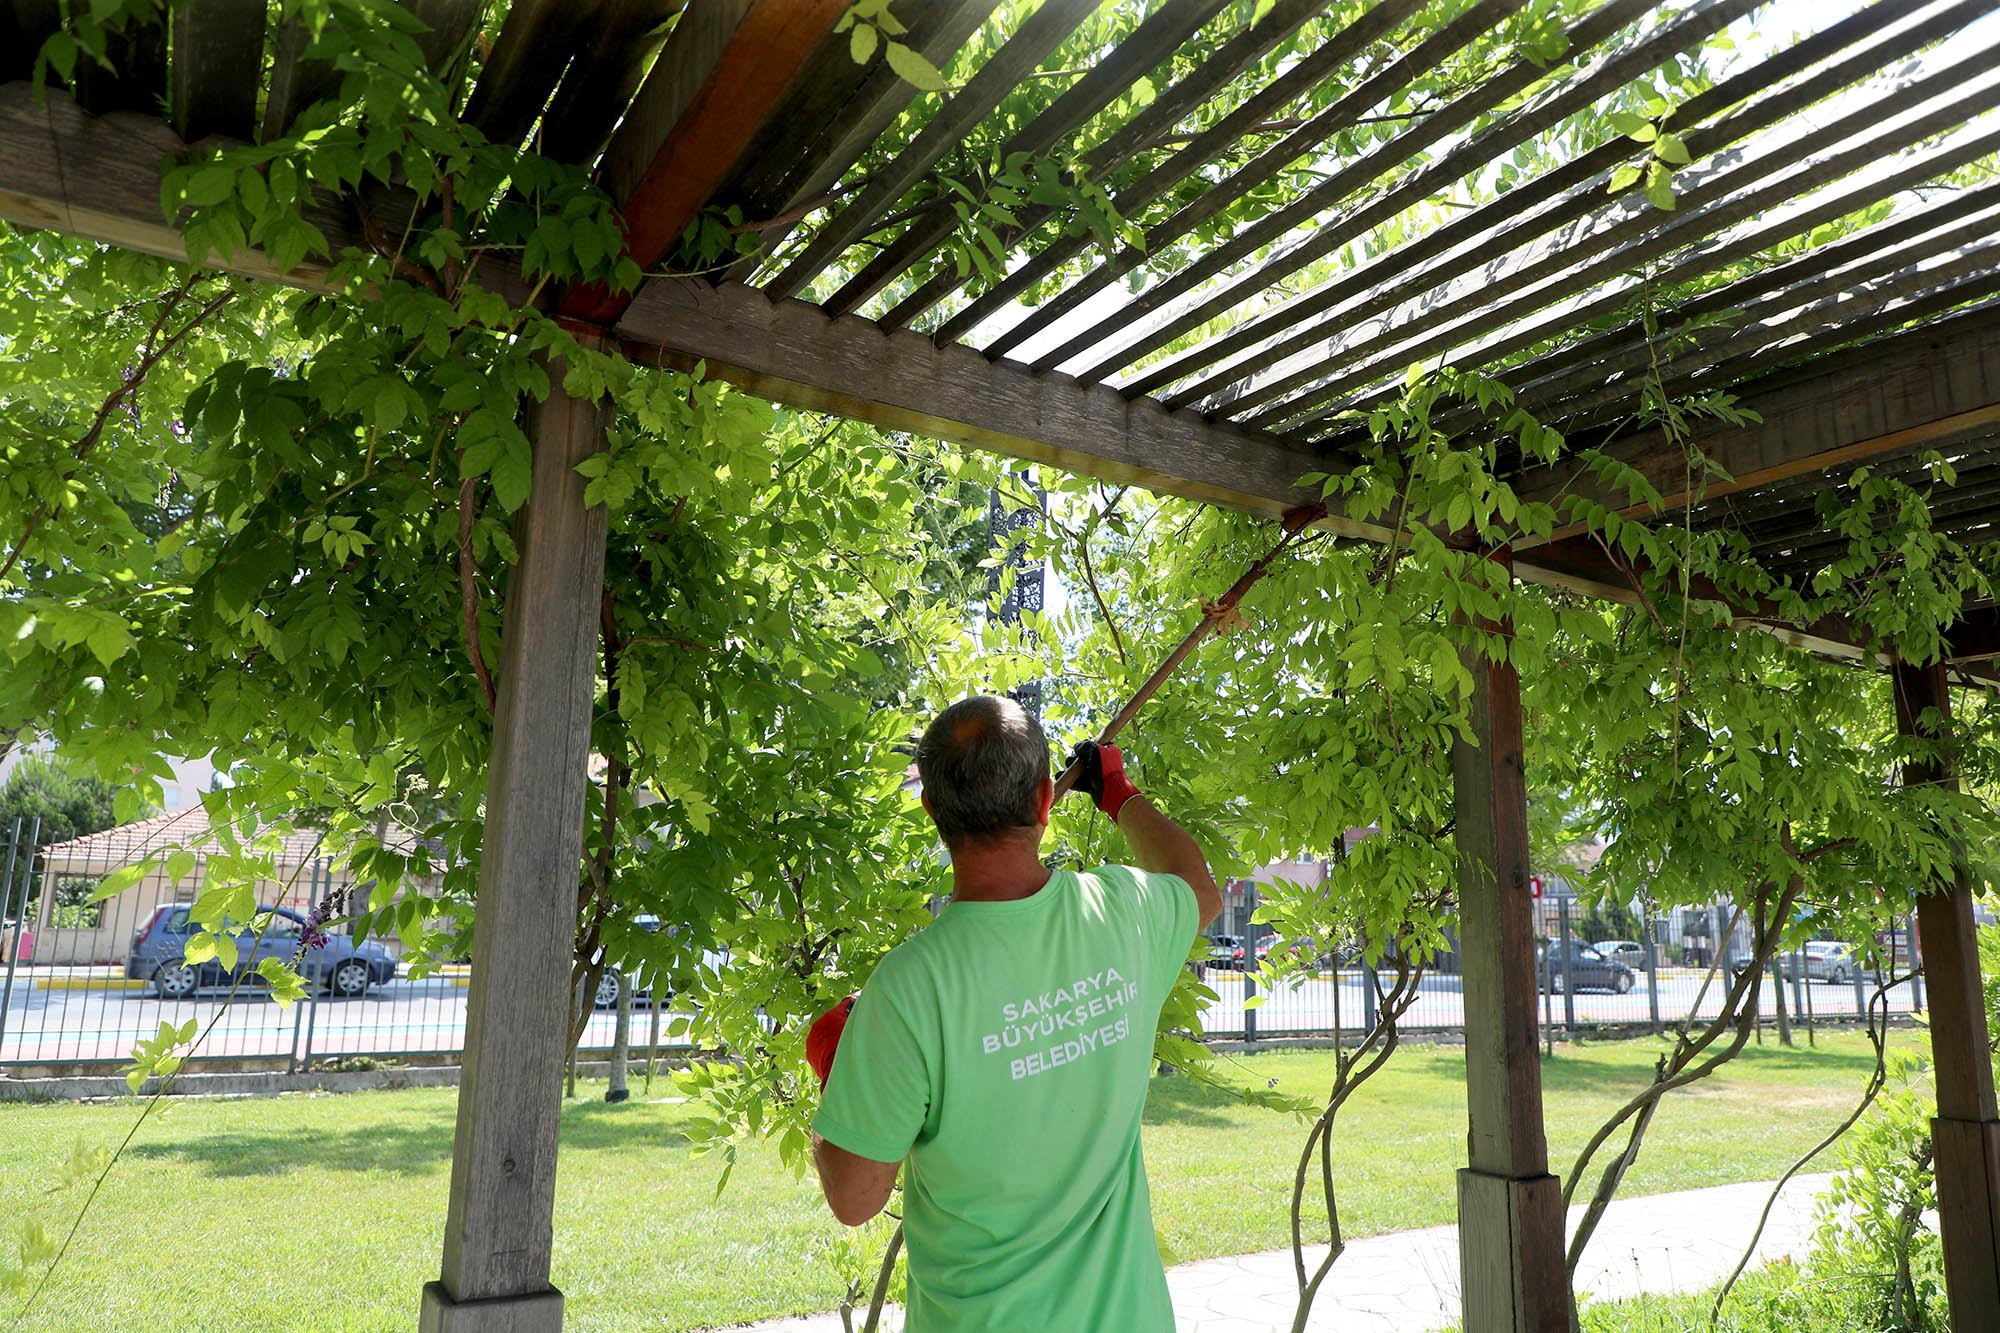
column 1367, row 229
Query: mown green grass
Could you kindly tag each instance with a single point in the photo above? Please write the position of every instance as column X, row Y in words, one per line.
column 325, row 1213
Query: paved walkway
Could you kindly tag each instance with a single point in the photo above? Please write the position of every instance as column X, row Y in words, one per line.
column 1407, row 1282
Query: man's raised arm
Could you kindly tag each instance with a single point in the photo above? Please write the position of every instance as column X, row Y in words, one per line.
column 1158, row 843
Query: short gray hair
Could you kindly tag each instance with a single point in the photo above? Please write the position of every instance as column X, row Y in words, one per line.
column 981, row 763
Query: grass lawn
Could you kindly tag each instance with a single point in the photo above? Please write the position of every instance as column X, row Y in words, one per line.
column 315, row 1212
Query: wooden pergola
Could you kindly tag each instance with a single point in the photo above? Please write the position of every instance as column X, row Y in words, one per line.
column 1225, row 371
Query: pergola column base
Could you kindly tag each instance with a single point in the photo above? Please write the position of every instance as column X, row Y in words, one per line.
column 537, row 1312
column 1510, row 1253
column 1968, row 1182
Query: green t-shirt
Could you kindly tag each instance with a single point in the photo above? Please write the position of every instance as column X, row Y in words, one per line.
column 1005, row 1050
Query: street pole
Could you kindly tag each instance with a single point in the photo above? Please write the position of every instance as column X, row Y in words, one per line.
column 1916, row 968
column 1569, row 976
column 1652, row 979
column 1249, row 964
column 6, row 904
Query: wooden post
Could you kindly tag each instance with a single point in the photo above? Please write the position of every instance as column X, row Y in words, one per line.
column 1966, row 1132
column 500, row 1222
column 1510, row 1214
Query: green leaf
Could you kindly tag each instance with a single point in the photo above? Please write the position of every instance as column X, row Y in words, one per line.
column 861, row 43
column 179, row 863
column 287, row 986
column 1624, row 179
column 108, row 641
column 120, row 880
column 912, row 68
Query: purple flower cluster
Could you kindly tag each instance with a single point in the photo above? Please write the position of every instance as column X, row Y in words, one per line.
column 313, row 935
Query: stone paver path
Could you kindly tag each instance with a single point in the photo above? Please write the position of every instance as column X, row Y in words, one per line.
column 1407, row 1282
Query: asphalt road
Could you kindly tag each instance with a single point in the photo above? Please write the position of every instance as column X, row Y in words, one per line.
column 408, row 1017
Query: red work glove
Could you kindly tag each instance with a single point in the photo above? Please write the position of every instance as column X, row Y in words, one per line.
column 824, row 1038
column 1102, row 777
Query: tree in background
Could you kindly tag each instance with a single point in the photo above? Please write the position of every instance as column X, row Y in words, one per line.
column 69, row 803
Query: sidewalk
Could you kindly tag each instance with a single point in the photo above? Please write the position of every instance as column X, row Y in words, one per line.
column 1407, row 1282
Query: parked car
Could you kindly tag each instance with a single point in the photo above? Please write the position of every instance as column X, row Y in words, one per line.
column 1587, row 969
column 607, row 981
column 159, row 955
column 1226, row 951
column 1629, row 952
column 1831, row 960
column 1780, row 966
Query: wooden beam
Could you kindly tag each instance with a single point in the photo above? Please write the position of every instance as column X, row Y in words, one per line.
column 793, row 352
column 136, row 79
column 499, row 1224
column 100, row 178
column 218, row 48
column 1928, row 388
column 725, row 70
column 618, row 49
column 1966, row 1132
column 528, row 57
column 1510, row 1223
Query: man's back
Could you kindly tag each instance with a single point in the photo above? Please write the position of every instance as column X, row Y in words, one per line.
column 1007, row 1049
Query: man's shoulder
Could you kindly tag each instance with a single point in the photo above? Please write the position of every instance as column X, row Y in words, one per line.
column 1117, row 871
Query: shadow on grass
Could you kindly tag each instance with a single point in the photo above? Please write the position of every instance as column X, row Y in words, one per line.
column 1767, row 1063
column 422, row 1149
column 1176, row 1100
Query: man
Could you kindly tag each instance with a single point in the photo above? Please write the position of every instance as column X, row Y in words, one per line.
column 1001, row 1055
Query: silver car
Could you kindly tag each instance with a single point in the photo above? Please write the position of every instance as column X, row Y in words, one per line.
column 1629, row 952
column 1830, row 960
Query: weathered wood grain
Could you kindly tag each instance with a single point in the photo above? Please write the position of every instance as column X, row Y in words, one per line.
column 499, row 1222
column 136, row 79
column 602, row 77
column 793, row 352
column 536, row 42
column 1967, row 1128
column 1512, row 1256
column 1905, row 397
column 216, row 46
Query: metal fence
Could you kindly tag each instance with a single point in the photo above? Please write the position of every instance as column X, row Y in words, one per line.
column 85, row 982
column 74, row 994
column 1665, row 978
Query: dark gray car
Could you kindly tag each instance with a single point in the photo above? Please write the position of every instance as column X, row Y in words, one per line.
column 1587, row 969
column 159, row 955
